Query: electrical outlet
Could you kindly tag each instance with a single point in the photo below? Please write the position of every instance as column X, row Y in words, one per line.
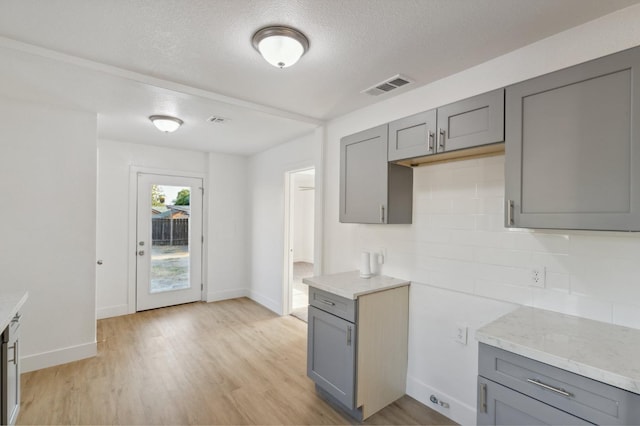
column 461, row 333
column 538, row 276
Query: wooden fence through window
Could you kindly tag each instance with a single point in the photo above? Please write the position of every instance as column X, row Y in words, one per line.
column 170, row 232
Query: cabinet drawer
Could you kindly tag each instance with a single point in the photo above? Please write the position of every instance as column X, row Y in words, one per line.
column 332, row 303
column 498, row 405
column 577, row 395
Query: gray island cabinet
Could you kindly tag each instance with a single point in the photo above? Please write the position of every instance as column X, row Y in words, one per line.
column 540, row 367
column 573, row 147
column 357, row 340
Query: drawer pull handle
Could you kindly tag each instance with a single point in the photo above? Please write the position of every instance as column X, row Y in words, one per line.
column 430, row 139
column 349, row 336
column 483, row 397
column 442, row 137
column 551, row 388
column 327, row 302
column 510, row 208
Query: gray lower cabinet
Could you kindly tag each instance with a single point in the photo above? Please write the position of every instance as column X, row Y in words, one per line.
column 332, row 356
column 463, row 124
column 348, row 343
column 515, row 390
column 503, row 406
column 572, row 147
column 372, row 190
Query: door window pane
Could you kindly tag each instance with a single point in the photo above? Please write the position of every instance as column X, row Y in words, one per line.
column 170, row 238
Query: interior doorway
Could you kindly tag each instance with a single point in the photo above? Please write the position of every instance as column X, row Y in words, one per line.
column 300, row 239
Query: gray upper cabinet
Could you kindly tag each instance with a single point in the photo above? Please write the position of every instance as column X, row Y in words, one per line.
column 413, row 136
column 471, row 122
column 468, row 123
column 572, row 147
column 371, row 189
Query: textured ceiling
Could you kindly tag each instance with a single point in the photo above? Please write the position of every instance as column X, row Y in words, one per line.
column 194, row 57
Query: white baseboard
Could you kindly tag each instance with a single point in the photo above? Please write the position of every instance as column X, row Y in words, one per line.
column 267, row 302
column 458, row 411
column 57, row 357
column 112, row 311
column 227, row 294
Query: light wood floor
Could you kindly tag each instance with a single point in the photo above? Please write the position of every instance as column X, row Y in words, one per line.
column 231, row 362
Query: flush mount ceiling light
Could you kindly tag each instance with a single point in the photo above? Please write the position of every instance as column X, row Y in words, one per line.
column 280, row 46
column 166, row 123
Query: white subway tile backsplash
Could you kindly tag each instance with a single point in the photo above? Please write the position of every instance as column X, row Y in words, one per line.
column 505, row 292
column 547, row 243
column 627, row 315
column 505, row 257
column 572, row 304
column 458, row 242
column 444, row 251
column 453, row 221
column 491, row 188
column 558, row 282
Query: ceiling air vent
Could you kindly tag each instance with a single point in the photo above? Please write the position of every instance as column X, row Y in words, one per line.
column 216, row 119
column 387, row 85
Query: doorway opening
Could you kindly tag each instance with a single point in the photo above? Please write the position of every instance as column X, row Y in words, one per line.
column 300, row 253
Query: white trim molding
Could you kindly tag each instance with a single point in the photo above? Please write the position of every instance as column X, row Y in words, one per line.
column 58, row 356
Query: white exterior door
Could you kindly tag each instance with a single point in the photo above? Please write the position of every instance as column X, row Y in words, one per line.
column 169, row 240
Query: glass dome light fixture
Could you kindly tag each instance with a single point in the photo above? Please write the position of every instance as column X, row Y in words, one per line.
column 166, row 123
column 280, row 46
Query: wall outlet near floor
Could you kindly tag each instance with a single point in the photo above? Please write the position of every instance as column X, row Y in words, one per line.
column 461, row 333
column 538, row 276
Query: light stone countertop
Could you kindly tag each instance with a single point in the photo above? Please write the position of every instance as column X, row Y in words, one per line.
column 351, row 286
column 604, row 352
column 10, row 304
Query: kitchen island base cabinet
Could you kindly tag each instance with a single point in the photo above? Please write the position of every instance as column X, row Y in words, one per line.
column 359, row 366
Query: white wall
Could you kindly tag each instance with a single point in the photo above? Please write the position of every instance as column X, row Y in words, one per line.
column 303, row 211
column 465, row 267
column 228, row 238
column 267, row 210
column 48, row 184
column 115, row 160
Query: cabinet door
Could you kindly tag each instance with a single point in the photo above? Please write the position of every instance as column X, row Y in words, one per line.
column 331, row 355
column 499, row 405
column 572, row 147
column 471, row 122
column 412, row 136
column 364, row 176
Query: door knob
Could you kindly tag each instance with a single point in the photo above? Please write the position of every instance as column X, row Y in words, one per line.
column 141, row 253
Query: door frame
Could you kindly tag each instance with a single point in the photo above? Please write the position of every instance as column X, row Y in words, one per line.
column 132, row 243
column 288, row 225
